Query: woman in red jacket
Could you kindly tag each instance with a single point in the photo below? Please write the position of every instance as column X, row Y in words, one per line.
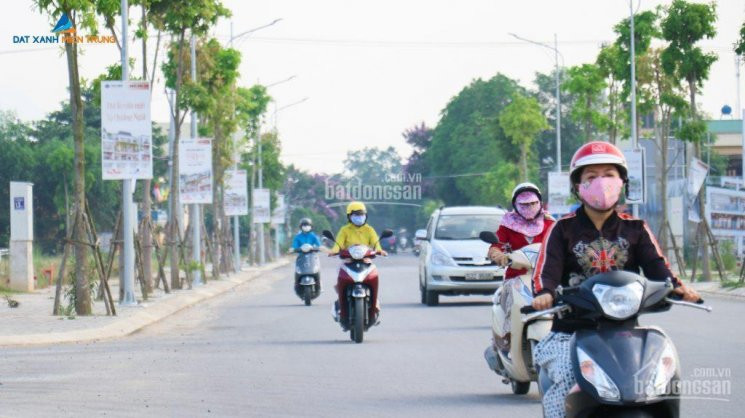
column 526, row 224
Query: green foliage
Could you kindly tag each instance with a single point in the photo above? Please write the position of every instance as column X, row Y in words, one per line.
column 684, row 25
column 727, row 253
column 587, row 83
column 468, row 139
column 740, row 44
column 522, row 120
column 195, row 15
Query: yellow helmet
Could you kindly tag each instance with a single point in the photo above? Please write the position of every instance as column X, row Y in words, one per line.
column 356, row 206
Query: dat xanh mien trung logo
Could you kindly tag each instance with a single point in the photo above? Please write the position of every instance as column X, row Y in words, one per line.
column 63, row 32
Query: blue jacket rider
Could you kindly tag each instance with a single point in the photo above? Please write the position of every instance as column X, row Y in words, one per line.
column 306, row 235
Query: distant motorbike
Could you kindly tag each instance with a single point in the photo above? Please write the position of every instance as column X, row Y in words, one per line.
column 307, row 273
column 516, row 365
column 622, row 369
column 357, row 285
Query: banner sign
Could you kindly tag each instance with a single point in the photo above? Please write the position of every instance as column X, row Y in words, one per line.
column 278, row 215
column 635, row 159
column 261, row 211
column 559, row 193
column 236, row 193
column 195, row 170
column 126, row 131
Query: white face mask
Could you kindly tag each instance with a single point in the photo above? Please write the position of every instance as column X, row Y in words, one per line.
column 306, row 228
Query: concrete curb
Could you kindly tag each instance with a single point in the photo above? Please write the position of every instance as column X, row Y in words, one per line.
column 147, row 315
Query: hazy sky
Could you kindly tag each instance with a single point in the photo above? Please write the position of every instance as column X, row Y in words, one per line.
column 370, row 70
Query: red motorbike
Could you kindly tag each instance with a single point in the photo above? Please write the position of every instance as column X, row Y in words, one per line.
column 357, row 286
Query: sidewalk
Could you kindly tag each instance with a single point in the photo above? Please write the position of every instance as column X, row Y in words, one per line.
column 714, row 288
column 32, row 322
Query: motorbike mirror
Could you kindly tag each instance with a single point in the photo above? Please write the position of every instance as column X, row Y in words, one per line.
column 328, row 235
column 387, row 233
column 420, row 234
column 489, row 237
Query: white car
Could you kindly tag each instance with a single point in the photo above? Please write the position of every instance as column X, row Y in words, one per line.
column 453, row 260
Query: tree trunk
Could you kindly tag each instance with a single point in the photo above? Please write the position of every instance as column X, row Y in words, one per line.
column 175, row 192
column 588, row 103
column 524, row 161
column 702, row 238
column 82, row 291
column 146, row 241
column 216, row 204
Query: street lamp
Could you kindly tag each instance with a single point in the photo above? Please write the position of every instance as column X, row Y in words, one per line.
column 554, row 48
column 236, row 223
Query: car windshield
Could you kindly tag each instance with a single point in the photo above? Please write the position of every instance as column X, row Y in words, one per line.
column 456, row 227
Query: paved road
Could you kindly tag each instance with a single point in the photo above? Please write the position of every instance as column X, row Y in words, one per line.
column 258, row 352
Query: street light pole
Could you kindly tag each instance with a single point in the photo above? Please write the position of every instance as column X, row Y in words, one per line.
column 554, row 48
column 635, row 207
column 195, row 216
column 236, row 157
column 128, row 248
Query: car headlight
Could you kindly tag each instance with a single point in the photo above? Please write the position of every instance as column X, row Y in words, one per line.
column 597, row 377
column 658, row 385
column 439, row 258
column 619, row 302
column 358, row 251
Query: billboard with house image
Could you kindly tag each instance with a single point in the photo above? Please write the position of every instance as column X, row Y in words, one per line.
column 195, row 170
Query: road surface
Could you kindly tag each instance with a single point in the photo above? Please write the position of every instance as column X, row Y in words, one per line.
column 257, row 351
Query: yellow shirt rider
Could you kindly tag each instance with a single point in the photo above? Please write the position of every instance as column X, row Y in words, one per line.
column 357, row 231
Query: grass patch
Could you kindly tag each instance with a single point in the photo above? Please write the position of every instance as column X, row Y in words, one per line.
column 733, row 284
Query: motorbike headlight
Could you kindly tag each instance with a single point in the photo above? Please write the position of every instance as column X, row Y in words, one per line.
column 597, row 377
column 306, row 247
column 357, row 252
column 439, row 258
column 619, row 302
column 658, row 384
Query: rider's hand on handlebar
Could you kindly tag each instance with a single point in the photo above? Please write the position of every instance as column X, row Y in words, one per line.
column 542, row 302
column 688, row 294
column 498, row 257
column 383, row 253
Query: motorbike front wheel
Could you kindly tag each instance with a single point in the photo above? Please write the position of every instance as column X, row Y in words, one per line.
column 519, row 388
column 307, row 294
column 358, row 326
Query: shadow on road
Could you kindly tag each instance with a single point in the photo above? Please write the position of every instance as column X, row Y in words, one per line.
column 468, row 399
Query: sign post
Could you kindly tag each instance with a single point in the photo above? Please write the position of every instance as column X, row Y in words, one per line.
column 559, row 193
column 21, row 236
column 635, row 159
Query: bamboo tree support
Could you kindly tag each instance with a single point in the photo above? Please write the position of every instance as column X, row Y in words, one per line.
column 210, row 254
column 161, row 257
column 714, row 249
column 678, row 256
column 103, row 280
column 140, row 270
column 113, row 246
column 695, row 254
column 92, row 241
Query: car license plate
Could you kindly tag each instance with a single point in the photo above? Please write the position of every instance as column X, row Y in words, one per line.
column 479, row 276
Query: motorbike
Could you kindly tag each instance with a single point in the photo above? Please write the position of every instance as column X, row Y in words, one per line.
column 357, row 286
column 621, row 368
column 516, row 365
column 307, row 273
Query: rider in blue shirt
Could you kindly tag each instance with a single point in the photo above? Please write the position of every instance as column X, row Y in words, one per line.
column 306, row 235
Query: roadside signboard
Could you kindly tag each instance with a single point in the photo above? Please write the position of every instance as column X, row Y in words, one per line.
column 126, row 131
column 236, row 193
column 278, row 214
column 559, row 193
column 637, row 193
column 195, row 170
column 261, row 211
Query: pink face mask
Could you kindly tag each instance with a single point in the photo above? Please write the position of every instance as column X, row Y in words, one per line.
column 528, row 205
column 601, row 193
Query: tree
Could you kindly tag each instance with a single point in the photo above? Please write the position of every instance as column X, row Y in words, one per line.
column 196, row 16
column 469, row 158
column 740, row 44
column 684, row 25
column 587, row 82
column 616, row 115
column 522, row 121
column 82, row 14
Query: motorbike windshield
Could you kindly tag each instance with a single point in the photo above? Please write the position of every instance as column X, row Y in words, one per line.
column 307, row 263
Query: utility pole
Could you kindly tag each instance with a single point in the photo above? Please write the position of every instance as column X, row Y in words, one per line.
column 195, row 216
column 554, row 48
column 262, row 255
column 128, row 212
column 634, row 144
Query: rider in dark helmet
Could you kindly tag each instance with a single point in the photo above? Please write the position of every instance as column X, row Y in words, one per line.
column 306, row 235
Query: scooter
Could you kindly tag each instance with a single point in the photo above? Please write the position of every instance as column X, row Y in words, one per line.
column 307, row 273
column 357, row 286
column 516, row 365
column 621, row 368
